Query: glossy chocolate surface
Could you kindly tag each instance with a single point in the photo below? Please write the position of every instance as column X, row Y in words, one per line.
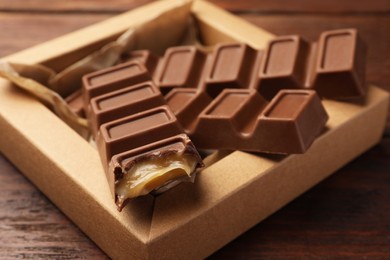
column 334, row 66
column 340, row 65
column 230, row 66
column 181, row 67
column 243, row 120
column 136, row 130
column 123, row 102
column 113, row 78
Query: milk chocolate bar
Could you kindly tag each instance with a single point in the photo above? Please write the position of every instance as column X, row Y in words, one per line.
column 334, row 66
column 341, row 60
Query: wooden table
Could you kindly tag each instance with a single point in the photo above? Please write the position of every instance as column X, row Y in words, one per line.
column 347, row 215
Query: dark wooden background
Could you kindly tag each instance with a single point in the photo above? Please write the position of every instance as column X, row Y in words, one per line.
column 345, row 216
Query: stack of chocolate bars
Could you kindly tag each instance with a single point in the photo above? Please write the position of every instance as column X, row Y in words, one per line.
column 143, row 111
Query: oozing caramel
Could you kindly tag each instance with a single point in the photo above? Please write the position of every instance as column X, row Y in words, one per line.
column 151, row 174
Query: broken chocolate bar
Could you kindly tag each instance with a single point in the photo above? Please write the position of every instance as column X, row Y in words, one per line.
column 334, row 66
column 242, row 119
column 141, row 144
column 155, row 167
column 144, row 152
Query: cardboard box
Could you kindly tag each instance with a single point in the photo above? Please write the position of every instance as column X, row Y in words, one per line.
column 236, row 191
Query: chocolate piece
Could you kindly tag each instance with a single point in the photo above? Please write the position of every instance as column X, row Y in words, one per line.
column 75, row 102
column 123, row 102
column 144, row 57
column 113, row 78
column 180, row 67
column 231, row 66
column 292, row 120
column 334, row 66
column 283, row 65
column 136, row 130
column 187, row 104
column 144, row 152
column 340, row 65
column 240, row 119
column 154, row 167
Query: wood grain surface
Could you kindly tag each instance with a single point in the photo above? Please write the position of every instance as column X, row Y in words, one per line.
column 345, row 216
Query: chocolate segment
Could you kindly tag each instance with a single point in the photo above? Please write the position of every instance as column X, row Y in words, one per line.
column 292, row 120
column 113, row 78
column 187, row 104
column 136, row 130
column 123, row 102
column 340, row 65
column 181, row 67
column 283, row 65
column 220, row 99
column 230, row 66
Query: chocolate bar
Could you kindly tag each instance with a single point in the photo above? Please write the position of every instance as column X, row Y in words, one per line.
column 334, row 66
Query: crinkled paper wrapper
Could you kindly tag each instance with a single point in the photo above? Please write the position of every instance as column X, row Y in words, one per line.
column 51, row 87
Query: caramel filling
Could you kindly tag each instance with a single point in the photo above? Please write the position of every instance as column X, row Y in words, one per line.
column 151, row 174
